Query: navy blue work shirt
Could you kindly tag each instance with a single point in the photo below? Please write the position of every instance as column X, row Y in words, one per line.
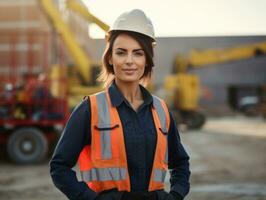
column 140, row 141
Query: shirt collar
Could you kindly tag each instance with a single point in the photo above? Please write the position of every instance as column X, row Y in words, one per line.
column 117, row 97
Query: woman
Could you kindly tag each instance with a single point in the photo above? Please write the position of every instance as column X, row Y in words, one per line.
column 123, row 138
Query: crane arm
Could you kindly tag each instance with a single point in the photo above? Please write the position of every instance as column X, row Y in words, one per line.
column 85, row 13
column 198, row 59
column 78, row 54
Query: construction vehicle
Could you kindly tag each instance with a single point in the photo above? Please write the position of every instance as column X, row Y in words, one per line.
column 182, row 88
column 31, row 115
column 30, row 123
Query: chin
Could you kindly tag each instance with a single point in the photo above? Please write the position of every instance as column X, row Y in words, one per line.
column 130, row 80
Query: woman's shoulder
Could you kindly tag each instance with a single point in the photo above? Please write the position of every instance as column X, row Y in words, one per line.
column 82, row 108
column 158, row 99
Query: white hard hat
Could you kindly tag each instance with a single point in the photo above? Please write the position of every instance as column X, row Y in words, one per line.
column 136, row 21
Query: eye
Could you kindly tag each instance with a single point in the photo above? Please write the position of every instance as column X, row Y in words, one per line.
column 119, row 53
column 139, row 53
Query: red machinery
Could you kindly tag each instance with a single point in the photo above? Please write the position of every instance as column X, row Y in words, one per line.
column 31, row 116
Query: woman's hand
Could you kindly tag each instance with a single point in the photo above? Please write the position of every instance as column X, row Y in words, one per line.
column 109, row 195
column 163, row 195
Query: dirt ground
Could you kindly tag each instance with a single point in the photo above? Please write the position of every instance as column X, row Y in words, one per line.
column 228, row 161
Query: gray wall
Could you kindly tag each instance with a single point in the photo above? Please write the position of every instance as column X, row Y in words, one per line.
column 216, row 78
column 219, row 78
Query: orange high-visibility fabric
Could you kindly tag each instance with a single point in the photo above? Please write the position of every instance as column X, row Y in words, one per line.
column 90, row 156
column 161, row 146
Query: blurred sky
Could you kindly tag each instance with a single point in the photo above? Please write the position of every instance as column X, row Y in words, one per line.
column 189, row 17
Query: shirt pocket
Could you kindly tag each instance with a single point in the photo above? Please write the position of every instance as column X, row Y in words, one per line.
column 103, row 144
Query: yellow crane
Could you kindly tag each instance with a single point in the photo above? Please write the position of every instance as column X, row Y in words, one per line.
column 81, row 59
column 198, row 58
column 86, row 14
column 82, row 62
column 182, row 88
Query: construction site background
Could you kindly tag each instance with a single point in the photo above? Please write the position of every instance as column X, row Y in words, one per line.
column 227, row 159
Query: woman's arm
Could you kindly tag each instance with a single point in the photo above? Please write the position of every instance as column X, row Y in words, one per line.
column 75, row 135
column 178, row 163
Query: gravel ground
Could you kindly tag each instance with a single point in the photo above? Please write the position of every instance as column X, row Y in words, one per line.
column 227, row 162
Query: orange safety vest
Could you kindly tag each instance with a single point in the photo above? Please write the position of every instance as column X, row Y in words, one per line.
column 103, row 163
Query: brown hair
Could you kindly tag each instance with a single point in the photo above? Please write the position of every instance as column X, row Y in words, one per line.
column 107, row 72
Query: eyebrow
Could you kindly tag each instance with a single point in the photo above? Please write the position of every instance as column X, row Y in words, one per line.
column 122, row 49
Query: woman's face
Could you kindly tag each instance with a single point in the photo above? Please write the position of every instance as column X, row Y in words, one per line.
column 128, row 59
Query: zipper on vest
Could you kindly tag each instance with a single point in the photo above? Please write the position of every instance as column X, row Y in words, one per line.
column 106, row 128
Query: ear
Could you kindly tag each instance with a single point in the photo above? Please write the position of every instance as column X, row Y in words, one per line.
column 110, row 60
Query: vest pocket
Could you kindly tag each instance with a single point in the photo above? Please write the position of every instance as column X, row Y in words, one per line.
column 105, row 127
column 163, row 131
column 103, row 140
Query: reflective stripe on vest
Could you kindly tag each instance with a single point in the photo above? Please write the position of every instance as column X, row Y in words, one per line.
column 103, row 164
column 103, row 124
column 159, row 175
column 104, row 174
column 161, row 113
column 163, row 120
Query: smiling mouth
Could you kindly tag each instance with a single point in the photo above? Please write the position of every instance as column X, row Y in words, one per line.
column 129, row 70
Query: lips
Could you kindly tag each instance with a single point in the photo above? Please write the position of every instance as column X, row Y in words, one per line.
column 129, row 70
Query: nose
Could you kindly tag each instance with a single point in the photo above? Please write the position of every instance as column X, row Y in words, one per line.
column 129, row 59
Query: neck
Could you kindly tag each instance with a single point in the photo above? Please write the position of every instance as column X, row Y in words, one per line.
column 130, row 90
